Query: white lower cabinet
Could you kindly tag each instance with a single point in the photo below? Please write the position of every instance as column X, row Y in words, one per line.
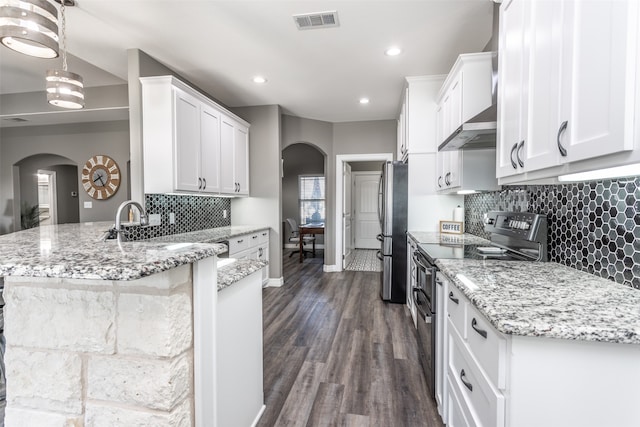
column 442, row 289
column 495, row 380
column 252, row 246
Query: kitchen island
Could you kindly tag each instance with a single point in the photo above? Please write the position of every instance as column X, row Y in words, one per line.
column 105, row 333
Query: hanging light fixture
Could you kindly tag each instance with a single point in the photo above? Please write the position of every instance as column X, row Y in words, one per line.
column 64, row 88
column 29, row 27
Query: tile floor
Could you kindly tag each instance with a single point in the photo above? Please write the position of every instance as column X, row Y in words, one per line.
column 365, row 260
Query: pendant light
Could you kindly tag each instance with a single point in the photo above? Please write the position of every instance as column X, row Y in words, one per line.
column 29, row 27
column 64, row 88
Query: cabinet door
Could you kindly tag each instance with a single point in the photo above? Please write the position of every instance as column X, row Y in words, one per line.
column 210, row 149
column 455, row 169
column 455, row 105
column 545, row 50
column 187, row 141
column 227, row 133
column 512, row 106
column 241, row 159
column 599, row 86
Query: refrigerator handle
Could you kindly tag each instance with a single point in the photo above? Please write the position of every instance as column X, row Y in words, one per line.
column 380, row 197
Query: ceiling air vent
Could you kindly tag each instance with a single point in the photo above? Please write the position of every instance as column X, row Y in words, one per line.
column 307, row 21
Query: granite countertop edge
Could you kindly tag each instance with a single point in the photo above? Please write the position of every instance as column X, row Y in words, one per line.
column 75, row 251
column 237, row 270
column 547, row 299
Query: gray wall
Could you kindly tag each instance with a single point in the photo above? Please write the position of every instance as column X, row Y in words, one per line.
column 77, row 142
column 263, row 207
column 298, row 159
column 366, row 166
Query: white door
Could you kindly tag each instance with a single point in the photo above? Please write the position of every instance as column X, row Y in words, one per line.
column 367, row 225
column 347, row 240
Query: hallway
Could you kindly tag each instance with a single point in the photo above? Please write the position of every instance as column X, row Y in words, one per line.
column 335, row 354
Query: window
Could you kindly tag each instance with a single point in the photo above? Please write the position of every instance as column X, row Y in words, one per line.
column 311, row 196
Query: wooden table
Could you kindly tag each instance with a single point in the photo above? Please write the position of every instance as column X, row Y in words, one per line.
column 309, row 229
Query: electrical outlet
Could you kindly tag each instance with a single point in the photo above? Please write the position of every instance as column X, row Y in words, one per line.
column 172, row 218
column 155, row 219
column 224, row 213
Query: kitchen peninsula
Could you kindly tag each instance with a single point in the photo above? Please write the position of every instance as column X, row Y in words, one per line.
column 130, row 333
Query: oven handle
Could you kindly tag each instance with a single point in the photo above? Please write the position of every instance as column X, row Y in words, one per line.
column 416, row 259
column 423, row 315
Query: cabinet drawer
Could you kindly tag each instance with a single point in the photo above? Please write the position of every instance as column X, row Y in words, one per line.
column 238, row 244
column 455, row 413
column 485, row 403
column 254, row 239
column 456, row 303
column 487, row 346
column 263, row 236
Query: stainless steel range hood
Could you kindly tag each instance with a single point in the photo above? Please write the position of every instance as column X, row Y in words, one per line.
column 479, row 132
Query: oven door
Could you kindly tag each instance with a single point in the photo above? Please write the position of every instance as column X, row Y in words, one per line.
column 424, row 302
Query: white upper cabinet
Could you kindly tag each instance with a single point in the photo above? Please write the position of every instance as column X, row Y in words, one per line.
column 568, row 75
column 234, row 165
column 190, row 143
column 416, row 133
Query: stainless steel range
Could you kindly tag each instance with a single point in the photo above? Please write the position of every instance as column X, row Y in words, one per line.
column 515, row 236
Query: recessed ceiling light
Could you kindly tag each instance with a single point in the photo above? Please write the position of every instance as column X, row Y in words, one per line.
column 259, row 79
column 364, row 100
column 393, row 51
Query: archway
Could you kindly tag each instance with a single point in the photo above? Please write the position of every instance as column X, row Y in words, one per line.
column 44, row 183
column 303, row 162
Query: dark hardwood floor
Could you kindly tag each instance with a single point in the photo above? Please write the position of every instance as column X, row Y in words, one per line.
column 336, row 355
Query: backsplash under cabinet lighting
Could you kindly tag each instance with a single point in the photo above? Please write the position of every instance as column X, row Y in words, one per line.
column 594, row 226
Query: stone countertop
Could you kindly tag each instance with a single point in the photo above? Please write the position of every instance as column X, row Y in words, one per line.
column 437, row 237
column 210, row 235
column 231, row 271
column 546, row 299
column 76, row 251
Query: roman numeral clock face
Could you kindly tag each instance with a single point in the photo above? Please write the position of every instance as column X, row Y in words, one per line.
column 101, row 177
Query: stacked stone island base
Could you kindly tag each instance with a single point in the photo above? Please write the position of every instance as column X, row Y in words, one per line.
column 100, row 353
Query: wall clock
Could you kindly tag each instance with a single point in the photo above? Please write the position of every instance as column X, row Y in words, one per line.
column 101, row 177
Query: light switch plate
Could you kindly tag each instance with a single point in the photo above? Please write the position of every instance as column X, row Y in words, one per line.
column 155, row 219
column 88, row 205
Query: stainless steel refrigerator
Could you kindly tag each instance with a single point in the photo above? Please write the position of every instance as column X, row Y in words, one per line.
column 392, row 212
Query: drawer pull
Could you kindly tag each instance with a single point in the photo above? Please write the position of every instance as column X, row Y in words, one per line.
column 563, row 127
column 474, row 325
column 254, row 237
column 439, row 282
column 467, row 384
column 240, row 241
column 451, row 297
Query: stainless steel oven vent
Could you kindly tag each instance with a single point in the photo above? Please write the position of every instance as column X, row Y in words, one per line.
column 307, row 21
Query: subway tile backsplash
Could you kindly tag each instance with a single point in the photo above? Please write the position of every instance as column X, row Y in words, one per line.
column 593, row 226
column 191, row 213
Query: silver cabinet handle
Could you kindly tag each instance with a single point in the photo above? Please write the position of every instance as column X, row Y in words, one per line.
column 440, row 181
column 260, row 252
column 199, row 183
column 520, row 161
column 240, row 241
column 446, row 178
column 467, row 384
column 452, row 298
column 204, row 180
column 254, row 237
column 513, row 150
column 474, row 325
column 563, row 127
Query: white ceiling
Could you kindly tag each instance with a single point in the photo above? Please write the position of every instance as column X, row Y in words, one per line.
column 220, row 45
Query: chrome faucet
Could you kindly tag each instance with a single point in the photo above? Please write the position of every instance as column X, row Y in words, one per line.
column 144, row 220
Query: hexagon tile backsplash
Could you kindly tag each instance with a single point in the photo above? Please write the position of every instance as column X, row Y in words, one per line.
column 593, row 226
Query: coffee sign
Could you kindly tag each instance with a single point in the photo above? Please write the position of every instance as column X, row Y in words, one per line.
column 451, row 227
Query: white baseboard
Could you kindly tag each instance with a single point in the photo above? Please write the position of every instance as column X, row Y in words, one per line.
column 274, row 283
column 331, row 268
column 255, row 421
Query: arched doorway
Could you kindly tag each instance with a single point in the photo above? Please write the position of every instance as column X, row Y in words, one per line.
column 45, row 191
column 303, row 189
